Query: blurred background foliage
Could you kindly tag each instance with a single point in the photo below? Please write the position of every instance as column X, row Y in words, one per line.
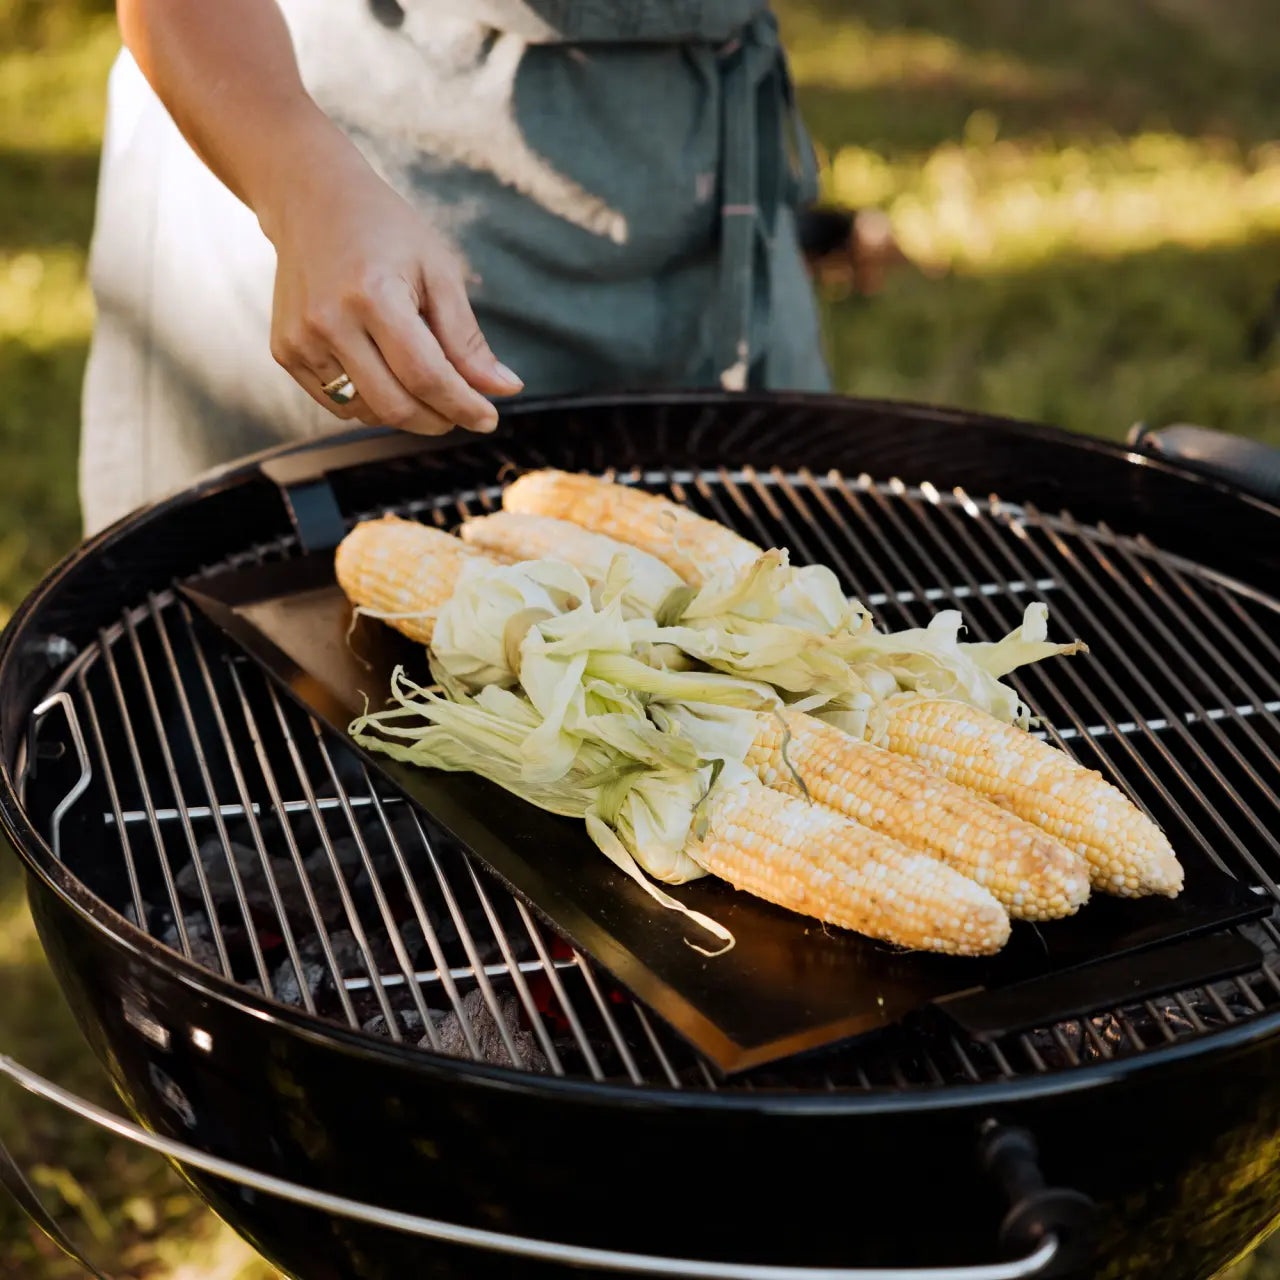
column 1089, row 196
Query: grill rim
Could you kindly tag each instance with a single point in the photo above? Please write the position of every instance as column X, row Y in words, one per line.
column 40, row 862
column 233, row 474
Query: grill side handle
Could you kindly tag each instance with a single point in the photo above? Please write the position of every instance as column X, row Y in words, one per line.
column 1036, row 1214
column 1037, row 1211
column 1247, row 464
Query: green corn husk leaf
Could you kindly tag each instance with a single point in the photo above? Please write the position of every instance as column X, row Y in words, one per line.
column 776, row 624
column 474, row 640
column 554, row 634
column 535, row 626
column 771, row 626
column 808, row 598
column 846, row 667
column 482, row 735
column 541, row 626
column 723, row 734
column 490, row 633
column 695, row 686
column 864, row 716
column 933, row 662
column 715, row 732
column 767, row 623
column 791, row 660
column 637, row 792
column 641, row 582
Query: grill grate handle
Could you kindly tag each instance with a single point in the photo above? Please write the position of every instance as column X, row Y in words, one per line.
column 63, row 702
column 302, row 478
column 1012, row 1163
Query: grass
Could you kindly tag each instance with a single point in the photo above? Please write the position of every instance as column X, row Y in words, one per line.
column 51, row 108
column 1092, row 194
column 126, row 1210
column 1089, row 344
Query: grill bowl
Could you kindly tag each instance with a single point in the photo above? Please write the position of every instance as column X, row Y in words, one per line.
column 1156, row 1110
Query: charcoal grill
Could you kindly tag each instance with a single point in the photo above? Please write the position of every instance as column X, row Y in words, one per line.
column 374, row 1061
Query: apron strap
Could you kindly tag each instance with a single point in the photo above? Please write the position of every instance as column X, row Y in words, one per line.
column 761, row 168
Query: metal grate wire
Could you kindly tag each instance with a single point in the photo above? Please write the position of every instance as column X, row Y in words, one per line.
column 249, row 839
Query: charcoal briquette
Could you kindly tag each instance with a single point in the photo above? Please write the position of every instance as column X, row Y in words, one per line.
column 487, row 1035
column 409, row 1020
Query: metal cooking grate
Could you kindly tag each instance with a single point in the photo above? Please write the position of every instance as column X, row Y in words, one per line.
column 245, row 837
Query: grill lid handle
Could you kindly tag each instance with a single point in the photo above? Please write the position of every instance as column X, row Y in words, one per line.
column 1010, row 1155
column 1248, row 464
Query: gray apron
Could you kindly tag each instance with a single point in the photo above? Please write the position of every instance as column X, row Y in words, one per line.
column 619, row 177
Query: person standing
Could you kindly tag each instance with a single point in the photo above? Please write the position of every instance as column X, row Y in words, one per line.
column 402, row 211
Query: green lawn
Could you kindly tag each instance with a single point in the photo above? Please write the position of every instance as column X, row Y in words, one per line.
column 1091, row 191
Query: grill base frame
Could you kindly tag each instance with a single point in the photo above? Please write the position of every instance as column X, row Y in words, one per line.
column 678, row 1174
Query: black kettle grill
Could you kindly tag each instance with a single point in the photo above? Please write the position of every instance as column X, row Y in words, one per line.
column 374, row 1061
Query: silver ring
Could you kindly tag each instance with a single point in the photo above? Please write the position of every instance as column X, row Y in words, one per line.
column 341, row 390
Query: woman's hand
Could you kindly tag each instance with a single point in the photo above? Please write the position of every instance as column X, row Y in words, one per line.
column 365, row 287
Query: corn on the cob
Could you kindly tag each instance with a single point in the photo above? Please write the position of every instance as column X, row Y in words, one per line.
column 1127, row 853
column 695, row 547
column 815, row 861
column 402, row 569
column 1033, row 875
column 518, row 536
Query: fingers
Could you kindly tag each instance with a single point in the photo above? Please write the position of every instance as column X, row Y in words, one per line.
column 406, row 375
column 416, row 359
column 388, row 401
column 313, row 368
column 463, row 344
column 325, row 370
column 331, row 345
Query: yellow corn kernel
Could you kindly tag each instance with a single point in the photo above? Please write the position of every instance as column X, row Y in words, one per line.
column 524, row 537
column 814, row 861
column 1127, row 853
column 695, row 547
column 1033, row 875
column 402, row 569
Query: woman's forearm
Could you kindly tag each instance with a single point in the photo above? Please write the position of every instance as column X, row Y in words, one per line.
column 227, row 74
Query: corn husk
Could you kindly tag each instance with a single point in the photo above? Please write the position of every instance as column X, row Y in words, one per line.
column 933, row 662
column 637, row 790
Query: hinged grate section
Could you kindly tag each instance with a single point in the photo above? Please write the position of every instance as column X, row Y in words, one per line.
column 243, row 836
